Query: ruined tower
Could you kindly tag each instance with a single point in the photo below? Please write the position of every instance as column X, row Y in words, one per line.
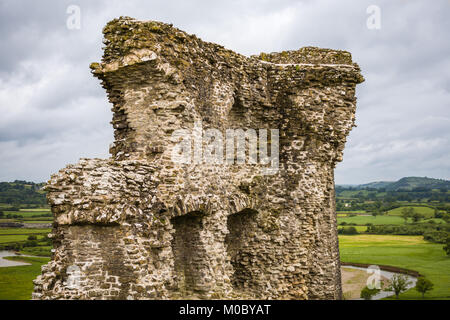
column 140, row 226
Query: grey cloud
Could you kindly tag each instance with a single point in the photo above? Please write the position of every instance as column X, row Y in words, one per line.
column 54, row 111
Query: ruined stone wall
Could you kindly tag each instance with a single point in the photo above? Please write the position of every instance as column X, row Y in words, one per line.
column 139, row 226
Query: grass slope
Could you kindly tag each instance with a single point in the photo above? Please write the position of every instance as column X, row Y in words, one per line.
column 13, row 238
column 362, row 220
column 25, row 213
column 426, row 211
column 5, row 231
column 16, row 283
column 410, row 252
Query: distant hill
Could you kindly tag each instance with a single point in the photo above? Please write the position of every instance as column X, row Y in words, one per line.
column 409, row 184
column 22, row 192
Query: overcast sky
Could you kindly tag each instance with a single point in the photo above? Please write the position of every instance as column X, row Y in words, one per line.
column 53, row 112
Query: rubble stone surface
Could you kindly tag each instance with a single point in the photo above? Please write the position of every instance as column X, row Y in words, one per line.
column 139, row 226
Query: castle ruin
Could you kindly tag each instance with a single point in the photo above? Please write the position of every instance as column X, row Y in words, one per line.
column 139, row 226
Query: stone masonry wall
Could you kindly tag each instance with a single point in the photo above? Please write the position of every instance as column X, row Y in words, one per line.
column 139, row 226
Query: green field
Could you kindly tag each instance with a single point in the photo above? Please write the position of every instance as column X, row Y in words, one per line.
column 13, row 238
column 16, row 282
column 379, row 220
column 362, row 220
column 352, row 194
column 28, row 213
column 360, row 229
column 16, row 238
column 43, row 251
column 426, row 211
column 410, row 252
column 436, row 220
column 37, row 218
column 37, row 221
column 8, row 235
column 7, row 231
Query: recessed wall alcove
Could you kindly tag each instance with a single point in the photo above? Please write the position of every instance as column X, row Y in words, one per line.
column 189, row 254
column 241, row 226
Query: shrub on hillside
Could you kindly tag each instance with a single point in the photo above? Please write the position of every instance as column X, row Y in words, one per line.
column 348, row 231
column 436, row 236
column 447, row 245
column 431, row 232
column 446, row 217
column 47, row 240
column 30, row 243
column 367, row 293
column 13, row 216
column 13, row 208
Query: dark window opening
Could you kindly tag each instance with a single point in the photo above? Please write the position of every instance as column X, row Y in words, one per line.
column 238, row 242
column 188, row 252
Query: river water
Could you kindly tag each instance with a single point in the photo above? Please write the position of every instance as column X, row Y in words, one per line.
column 9, row 263
column 388, row 275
